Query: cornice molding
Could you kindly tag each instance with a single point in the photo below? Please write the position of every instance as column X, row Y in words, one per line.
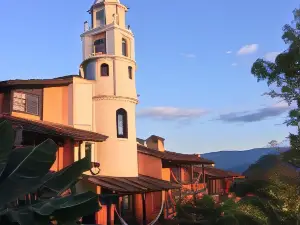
column 115, row 98
column 110, row 57
column 107, row 27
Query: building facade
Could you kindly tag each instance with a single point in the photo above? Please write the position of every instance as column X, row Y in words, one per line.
column 95, row 111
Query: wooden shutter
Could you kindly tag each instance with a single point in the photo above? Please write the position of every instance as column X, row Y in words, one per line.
column 32, row 104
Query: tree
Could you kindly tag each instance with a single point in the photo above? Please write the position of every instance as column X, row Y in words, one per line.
column 206, row 211
column 271, row 188
column 284, row 74
column 24, row 172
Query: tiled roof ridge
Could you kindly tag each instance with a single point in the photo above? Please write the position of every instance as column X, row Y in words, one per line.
column 168, row 155
column 47, row 81
column 60, row 129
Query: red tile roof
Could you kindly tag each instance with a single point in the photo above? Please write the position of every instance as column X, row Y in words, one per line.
column 174, row 156
column 54, row 129
column 217, row 173
column 140, row 184
column 59, row 81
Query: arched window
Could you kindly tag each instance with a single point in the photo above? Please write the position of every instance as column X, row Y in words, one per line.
column 104, row 70
column 124, row 47
column 130, row 72
column 122, row 126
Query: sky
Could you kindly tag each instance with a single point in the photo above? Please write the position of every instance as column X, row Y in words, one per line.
column 194, row 64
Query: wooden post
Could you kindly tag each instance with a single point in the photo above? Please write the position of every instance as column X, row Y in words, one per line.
column 108, row 212
column 180, row 182
column 144, row 209
column 192, row 177
column 133, row 205
column 203, row 173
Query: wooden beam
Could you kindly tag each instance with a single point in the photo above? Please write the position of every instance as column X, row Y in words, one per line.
column 144, row 209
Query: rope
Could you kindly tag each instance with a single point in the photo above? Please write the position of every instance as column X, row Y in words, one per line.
column 175, row 179
column 123, row 222
column 159, row 214
column 152, row 223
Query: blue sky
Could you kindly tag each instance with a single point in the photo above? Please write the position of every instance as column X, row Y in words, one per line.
column 194, row 62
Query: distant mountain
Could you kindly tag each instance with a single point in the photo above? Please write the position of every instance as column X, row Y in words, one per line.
column 239, row 161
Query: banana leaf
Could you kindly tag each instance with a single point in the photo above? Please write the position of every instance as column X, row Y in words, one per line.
column 68, row 208
column 64, row 179
column 6, row 143
column 23, row 178
column 21, row 216
column 228, row 220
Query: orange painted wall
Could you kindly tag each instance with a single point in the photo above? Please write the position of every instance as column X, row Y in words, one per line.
column 64, row 156
column 25, row 116
column 68, row 153
column 101, row 215
column 153, row 200
column 186, row 174
column 58, row 97
column 155, row 170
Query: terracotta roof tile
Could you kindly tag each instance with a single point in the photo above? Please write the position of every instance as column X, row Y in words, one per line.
column 215, row 172
column 140, row 184
column 59, row 81
column 54, row 129
column 174, row 156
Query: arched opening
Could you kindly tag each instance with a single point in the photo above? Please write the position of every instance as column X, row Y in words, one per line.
column 122, row 123
column 104, row 70
column 130, row 72
column 124, row 47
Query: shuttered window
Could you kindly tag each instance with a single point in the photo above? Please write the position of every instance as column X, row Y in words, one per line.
column 27, row 103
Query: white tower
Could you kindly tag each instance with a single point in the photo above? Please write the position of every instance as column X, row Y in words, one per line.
column 109, row 60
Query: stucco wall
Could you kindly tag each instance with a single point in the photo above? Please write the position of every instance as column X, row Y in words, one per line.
column 25, row 116
column 149, row 166
column 117, row 156
column 55, row 105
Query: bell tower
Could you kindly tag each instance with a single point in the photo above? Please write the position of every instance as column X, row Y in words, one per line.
column 109, row 62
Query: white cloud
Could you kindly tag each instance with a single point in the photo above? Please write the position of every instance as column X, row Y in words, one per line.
column 228, row 52
column 247, row 49
column 271, row 56
column 234, row 64
column 171, row 113
column 188, row 55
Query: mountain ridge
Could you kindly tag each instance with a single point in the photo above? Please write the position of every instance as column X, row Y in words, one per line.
column 239, row 160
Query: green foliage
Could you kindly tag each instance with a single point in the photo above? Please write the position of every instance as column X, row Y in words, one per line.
column 284, row 73
column 274, row 197
column 25, row 171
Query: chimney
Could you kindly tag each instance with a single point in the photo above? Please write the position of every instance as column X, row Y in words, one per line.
column 156, row 142
column 86, row 26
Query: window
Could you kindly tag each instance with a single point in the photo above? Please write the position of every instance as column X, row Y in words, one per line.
column 124, row 47
column 122, row 131
column 88, row 150
column 104, row 70
column 100, row 18
column 130, row 72
column 27, row 103
column 90, row 70
column 100, row 46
